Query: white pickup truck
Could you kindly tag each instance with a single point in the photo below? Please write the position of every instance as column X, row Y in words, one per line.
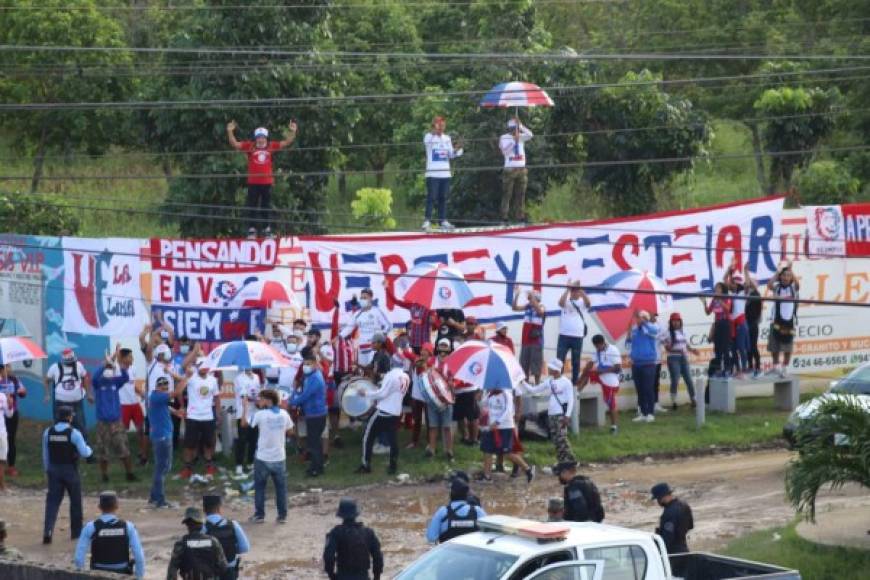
column 508, row 548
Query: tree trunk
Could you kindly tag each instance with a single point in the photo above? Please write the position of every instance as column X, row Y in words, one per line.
column 379, row 174
column 342, row 184
column 39, row 160
column 759, row 160
column 166, row 164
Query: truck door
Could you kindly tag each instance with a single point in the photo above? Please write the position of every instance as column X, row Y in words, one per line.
column 620, row 562
column 579, row 570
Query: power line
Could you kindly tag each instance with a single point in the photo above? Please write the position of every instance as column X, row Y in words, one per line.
column 320, row 100
column 359, row 228
column 145, row 255
column 419, row 144
column 313, row 6
column 460, row 169
column 532, row 57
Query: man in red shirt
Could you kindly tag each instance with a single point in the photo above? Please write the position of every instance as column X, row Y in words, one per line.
column 260, row 177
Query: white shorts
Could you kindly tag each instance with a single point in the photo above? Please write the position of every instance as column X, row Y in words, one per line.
column 4, row 447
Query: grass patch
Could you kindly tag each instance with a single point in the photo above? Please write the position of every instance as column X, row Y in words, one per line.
column 783, row 547
column 675, row 432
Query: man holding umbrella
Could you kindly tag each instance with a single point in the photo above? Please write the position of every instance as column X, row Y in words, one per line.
column 515, row 178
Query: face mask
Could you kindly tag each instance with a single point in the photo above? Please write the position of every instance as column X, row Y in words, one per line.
column 292, row 347
column 184, row 349
column 109, row 373
column 307, row 369
column 365, row 303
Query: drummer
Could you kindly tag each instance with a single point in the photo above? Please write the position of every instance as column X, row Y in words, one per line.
column 385, row 419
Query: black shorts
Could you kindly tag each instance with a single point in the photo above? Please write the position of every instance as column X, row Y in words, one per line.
column 466, row 407
column 198, row 433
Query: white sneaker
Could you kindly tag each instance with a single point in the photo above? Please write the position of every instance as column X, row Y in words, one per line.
column 660, row 409
column 379, row 449
column 771, row 371
column 638, row 419
column 649, row 418
column 614, row 429
column 446, row 225
column 427, row 225
column 783, row 372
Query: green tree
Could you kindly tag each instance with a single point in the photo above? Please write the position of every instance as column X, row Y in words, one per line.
column 795, row 136
column 373, row 207
column 681, row 135
column 57, row 77
column 826, row 183
column 28, row 214
column 301, row 173
column 834, row 449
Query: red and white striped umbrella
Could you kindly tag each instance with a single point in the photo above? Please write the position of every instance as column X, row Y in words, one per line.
column 17, row 349
column 485, row 365
column 516, row 94
column 434, row 286
column 262, row 294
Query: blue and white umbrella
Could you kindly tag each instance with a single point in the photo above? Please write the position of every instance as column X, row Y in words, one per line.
column 245, row 354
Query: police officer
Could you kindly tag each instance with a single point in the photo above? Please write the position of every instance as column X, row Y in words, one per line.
column 555, row 509
column 228, row 532
column 62, row 445
column 462, row 475
column 676, row 519
column 582, row 500
column 455, row 519
column 111, row 540
column 352, row 548
column 196, row 556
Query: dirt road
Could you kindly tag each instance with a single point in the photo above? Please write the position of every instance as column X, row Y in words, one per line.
column 730, row 495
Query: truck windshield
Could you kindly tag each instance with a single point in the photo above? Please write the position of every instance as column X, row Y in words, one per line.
column 459, row 563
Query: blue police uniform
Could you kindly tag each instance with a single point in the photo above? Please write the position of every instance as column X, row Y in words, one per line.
column 62, row 446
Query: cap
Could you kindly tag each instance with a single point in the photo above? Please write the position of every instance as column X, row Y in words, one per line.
column 68, row 355
column 555, row 504
column 501, row 326
column 64, row 413
column 379, row 338
column 108, row 500
column 458, row 489
column 660, row 490
column 162, row 349
column 555, row 365
column 574, row 284
column 200, row 362
column 162, row 382
column 444, row 344
column 459, row 474
column 675, row 316
column 211, row 501
column 564, row 466
column 261, row 132
column 427, row 346
column 347, row 509
column 511, row 123
column 193, row 515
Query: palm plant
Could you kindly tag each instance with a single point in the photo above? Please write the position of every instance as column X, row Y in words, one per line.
column 833, row 450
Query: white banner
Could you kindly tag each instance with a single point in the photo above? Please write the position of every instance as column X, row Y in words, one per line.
column 102, row 294
column 688, row 250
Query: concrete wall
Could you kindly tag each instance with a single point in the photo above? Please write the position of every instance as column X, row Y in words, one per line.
column 34, row 571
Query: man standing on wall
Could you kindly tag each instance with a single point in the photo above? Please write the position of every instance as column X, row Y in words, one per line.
column 260, row 177
column 515, row 178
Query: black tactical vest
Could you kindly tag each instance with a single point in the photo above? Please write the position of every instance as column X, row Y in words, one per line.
column 110, row 544
column 459, row 525
column 225, row 533
column 61, row 450
column 198, row 559
column 352, row 548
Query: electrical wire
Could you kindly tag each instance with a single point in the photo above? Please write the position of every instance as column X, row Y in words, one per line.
column 146, row 255
column 358, row 228
column 419, row 144
column 460, row 169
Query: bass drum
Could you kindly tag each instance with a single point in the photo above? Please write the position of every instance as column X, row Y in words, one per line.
column 352, row 403
column 437, row 389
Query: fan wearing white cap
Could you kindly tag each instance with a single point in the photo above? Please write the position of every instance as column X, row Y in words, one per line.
column 260, row 177
column 201, row 417
column 561, row 406
column 515, row 178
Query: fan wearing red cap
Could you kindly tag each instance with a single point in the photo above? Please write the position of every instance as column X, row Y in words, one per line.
column 678, row 349
column 739, row 328
column 67, row 382
column 260, row 178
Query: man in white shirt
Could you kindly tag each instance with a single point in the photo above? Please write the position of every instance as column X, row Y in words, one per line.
column 131, row 404
column 67, row 383
column 273, row 424
column 439, row 152
column 515, row 178
column 561, row 392
column 5, row 412
column 369, row 320
column 247, row 389
column 385, row 419
column 604, row 369
column 498, row 434
column 201, row 418
column 574, row 304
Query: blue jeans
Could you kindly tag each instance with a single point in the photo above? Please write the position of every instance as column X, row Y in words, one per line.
column 740, row 348
column 162, row 464
column 263, row 471
column 644, row 383
column 678, row 366
column 63, row 479
column 575, row 345
column 437, row 188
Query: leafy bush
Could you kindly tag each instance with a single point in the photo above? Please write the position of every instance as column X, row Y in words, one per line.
column 27, row 214
column 374, row 207
column 826, row 183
